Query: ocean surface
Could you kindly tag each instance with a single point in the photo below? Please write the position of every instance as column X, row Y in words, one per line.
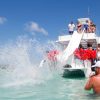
column 55, row 87
column 21, row 78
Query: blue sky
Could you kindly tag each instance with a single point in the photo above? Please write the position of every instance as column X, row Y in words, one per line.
column 43, row 19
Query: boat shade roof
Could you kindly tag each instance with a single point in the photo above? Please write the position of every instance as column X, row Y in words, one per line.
column 83, row 20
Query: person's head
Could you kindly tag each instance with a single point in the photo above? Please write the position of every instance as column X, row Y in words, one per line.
column 71, row 22
column 80, row 46
column 96, row 67
column 89, row 46
column 91, row 22
column 98, row 47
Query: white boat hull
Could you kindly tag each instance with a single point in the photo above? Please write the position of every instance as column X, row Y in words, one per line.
column 77, row 69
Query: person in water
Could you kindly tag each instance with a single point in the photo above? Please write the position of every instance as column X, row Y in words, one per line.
column 94, row 80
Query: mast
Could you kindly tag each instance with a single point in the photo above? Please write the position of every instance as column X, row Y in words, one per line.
column 88, row 11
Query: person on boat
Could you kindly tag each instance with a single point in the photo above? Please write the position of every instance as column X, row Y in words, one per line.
column 78, row 53
column 52, row 58
column 94, row 80
column 92, row 27
column 85, row 54
column 46, row 59
column 79, row 27
column 86, row 26
column 91, row 53
column 98, row 52
column 52, row 55
column 71, row 27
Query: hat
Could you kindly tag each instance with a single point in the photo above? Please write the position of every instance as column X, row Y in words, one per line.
column 97, row 64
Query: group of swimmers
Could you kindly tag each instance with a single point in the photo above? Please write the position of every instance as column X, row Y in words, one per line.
column 87, row 27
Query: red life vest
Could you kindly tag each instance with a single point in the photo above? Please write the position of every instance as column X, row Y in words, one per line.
column 85, row 54
column 52, row 55
column 79, row 53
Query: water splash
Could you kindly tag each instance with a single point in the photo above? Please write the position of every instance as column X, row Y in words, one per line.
column 19, row 61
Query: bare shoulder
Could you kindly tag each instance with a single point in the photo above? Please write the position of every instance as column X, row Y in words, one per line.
column 93, row 78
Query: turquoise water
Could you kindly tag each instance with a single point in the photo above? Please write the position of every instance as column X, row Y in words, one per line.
column 22, row 79
column 54, row 88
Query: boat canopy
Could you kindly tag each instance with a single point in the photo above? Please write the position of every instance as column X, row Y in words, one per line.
column 83, row 20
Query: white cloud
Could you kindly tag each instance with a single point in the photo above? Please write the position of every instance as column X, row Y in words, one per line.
column 35, row 28
column 2, row 20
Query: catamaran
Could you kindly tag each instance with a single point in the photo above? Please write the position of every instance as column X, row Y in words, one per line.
column 71, row 65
